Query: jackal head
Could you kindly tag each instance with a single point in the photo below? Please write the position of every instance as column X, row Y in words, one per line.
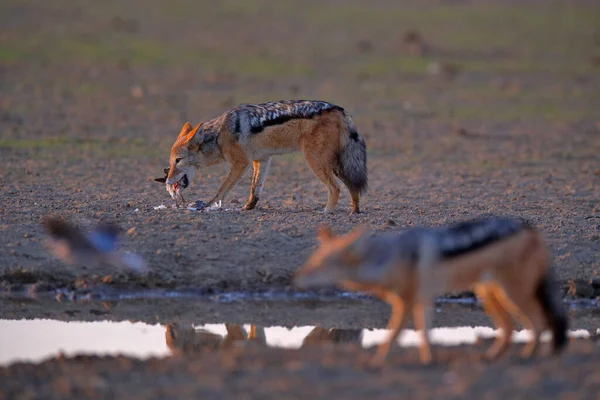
column 192, row 149
column 182, row 162
column 338, row 260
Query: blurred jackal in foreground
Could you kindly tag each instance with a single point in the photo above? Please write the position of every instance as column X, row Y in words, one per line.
column 505, row 261
column 252, row 133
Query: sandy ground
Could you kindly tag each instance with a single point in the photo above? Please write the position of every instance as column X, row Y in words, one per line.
column 495, row 110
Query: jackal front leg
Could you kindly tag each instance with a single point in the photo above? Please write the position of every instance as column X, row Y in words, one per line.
column 395, row 325
column 422, row 314
column 236, row 172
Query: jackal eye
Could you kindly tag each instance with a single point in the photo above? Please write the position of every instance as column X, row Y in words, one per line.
column 177, row 160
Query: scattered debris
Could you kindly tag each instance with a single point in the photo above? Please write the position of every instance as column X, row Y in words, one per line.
column 445, row 70
column 364, row 46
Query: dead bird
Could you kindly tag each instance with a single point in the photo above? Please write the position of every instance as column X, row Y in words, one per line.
column 176, row 188
column 97, row 248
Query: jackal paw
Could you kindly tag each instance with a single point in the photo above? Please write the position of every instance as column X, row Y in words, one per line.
column 488, row 358
column 527, row 353
column 251, row 204
column 426, row 361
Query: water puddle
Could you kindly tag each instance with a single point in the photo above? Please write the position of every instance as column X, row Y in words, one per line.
column 107, row 293
column 38, row 339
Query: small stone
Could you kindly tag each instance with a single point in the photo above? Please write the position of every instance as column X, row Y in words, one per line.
column 60, row 297
column 108, row 279
column 580, row 288
column 267, row 278
column 460, row 131
column 364, row 46
column 131, row 231
column 411, row 36
column 389, row 224
column 137, row 92
column 27, row 236
column 595, row 284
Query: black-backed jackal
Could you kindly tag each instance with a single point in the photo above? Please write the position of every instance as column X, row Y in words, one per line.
column 251, row 134
column 505, row 261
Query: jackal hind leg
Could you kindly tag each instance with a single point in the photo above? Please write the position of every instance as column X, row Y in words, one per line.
column 501, row 319
column 354, row 195
column 321, row 167
column 529, row 313
column 261, row 170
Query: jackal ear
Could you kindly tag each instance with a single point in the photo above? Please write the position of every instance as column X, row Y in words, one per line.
column 195, row 135
column 324, row 233
column 185, row 130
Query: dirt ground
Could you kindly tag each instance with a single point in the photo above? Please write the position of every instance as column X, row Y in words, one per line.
column 335, row 371
column 468, row 107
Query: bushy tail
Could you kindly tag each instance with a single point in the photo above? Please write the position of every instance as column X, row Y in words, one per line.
column 352, row 160
column 548, row 295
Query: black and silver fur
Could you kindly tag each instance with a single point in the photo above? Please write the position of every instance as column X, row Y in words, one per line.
column 468, row 236
column 254, row 118
column 457, row 239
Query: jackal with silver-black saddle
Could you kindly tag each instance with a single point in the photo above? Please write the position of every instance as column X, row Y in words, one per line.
column 251, row 134
column 505, row 261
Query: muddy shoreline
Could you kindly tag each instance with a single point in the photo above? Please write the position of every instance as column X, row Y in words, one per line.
column 324, row 372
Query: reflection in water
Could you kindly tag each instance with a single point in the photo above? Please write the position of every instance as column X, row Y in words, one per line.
column 189, row 339
column 36, row 340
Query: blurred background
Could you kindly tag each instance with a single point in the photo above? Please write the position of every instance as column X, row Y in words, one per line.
column 124, row 69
